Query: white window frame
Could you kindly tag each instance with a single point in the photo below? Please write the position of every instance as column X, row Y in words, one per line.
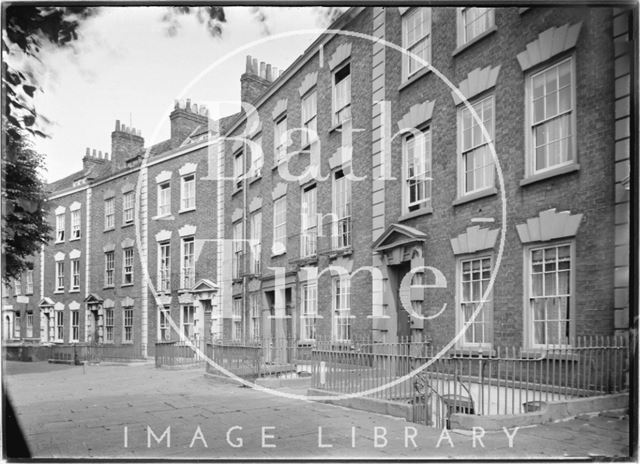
column 309, row 118
column 59, row 333
column 489, row 21
column 425, row 177
column 75, row 225
column 530, row 152
column 485, row 317
column 75, row 274
column 59, row 276
column 17, row 326
column 309, row 310
column 164, row 328
column 128, row 207
column 60, row 223
column 108, row 325
column 255, row 224
column 341, row 310
column 127, row 266
column 109, row 214
column 238, row 169
column 29, row 282
column 482, row 144
column 340, row 108
column 236, row 325
column 411, row 46
column 109, row 268
column 279, row 226
column 187, row 263
column 188, row 323
column 342, row 227
column 237, row 248
column 29, row 324
column 255, row 310
column 17, row 286
column 127, row 325
column 257, row 157
column 188, row 192
column 528, row 294
column 164, row 198
column 280, row 139
column 309, row 221
column 75, row 325
column 164, row 267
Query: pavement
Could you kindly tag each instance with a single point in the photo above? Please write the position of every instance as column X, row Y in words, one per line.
column 123, row 411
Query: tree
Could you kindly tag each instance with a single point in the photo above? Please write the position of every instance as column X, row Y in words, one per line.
column 25, row 225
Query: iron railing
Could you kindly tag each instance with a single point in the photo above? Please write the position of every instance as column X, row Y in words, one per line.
column 95, row 353
column 180, row 354
column 507, row 380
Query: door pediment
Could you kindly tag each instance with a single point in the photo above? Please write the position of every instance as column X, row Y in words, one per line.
column 396, row 236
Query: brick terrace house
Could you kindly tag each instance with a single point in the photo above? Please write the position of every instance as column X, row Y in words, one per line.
column 405, row 189
column 89, row 285
column 551, row 86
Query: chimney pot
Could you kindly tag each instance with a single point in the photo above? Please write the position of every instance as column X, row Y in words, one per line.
column 195, row 108
column 117, row 124
column 268, row 72
column 87, row 152
column 263, row 70
column 188, row 105
column 94, row 152
column 247, row 68
column 255, row 66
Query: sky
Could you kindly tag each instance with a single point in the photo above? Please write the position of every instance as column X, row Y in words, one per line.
column 127, row 67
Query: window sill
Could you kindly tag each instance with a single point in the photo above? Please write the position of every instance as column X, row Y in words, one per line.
column 74, row 239
column 127, row 343
column 551, row 173
column 303, row 260
column 188, row 210
column 126, row 224
column 337, row 126
column 110, row 229
column 74, row 290
column 475, row 40
column 58, row 241
column 127, row 285
column 470, row 352
column 58, row 292
column 423, row 72
column 108, row 286
column 167, row 216
column 475, row 196
column 346, row 251
column 235, row 191
column 552, row 353
column 417, row 213
column 279, row 253
column 254, row 178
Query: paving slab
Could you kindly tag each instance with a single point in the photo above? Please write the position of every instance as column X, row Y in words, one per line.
column 82, row 413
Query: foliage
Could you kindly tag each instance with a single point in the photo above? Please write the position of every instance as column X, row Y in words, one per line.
column 24, row 224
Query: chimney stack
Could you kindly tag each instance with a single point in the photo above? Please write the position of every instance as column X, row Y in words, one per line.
column 185, row 118
column 92, row 158
column 257, row 77
column 126, row 142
